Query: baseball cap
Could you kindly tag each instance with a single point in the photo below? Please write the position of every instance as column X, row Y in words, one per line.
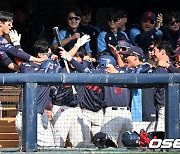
column 176, row 52
column 134, row 50
column 149, row 15
column 123, row 43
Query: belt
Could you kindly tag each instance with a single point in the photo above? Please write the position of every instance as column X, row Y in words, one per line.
column 120, row 108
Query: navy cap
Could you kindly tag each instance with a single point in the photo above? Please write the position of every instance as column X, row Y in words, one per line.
column 176, row 52
column 123, row 43
column 134, row 50
column 149, row 15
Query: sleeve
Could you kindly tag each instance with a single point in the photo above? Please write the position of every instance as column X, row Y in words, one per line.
column 11, row 50
column 173, row 69
column 80, row 67
column 101, row 43
column 62, row 35
column 133, row 33
column 87, row 48
column 6, row 60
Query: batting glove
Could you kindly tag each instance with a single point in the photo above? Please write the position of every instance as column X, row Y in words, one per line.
column 15, row 38
column 64, row 54
column 81, row 41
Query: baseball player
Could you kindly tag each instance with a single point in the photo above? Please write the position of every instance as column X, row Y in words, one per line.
column 67, row 116
column 116, row 101
column 44, row 127
column 6, row 21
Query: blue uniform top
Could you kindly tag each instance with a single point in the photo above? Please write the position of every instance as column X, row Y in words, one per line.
column 11, row 50
column 43, row 91
column 143, row 39
column 93, row 32
column 67, row 33
column 160, row 92
column 63, row 95
column 4, row 58
column 107, row 37
column 111, row 96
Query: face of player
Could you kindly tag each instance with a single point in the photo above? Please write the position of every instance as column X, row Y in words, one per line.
column 147, row 24
column 151, row 51
column 6, row 27
column 158, row 54
column 86, row 18
column 173, row 25
column 113, row 23
column 73, row 20
column 130, row 60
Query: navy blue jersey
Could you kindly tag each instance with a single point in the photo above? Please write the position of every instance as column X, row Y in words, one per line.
column 92, row 98
column 111, row 96
column 5, row 59
column 93, row 32
column 116, row 96
column 63, row 95
column 11, row 50
column 173, row 69
column 160, row 92
column 148, row 107
column 43, row 91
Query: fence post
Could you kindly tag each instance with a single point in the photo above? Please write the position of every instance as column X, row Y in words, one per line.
column 29, row 122
column 172, row 110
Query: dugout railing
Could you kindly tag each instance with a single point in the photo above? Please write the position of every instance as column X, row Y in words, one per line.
column 30, row 82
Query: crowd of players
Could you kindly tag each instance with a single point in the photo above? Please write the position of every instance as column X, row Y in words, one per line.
column 65, row 116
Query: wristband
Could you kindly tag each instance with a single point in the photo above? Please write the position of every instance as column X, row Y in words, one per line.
column 77, row 45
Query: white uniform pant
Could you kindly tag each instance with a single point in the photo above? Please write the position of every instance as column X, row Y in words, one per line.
column 93, row 121
column 45, row 137
column 159, row 124
column 116, row 122
column 67, row 122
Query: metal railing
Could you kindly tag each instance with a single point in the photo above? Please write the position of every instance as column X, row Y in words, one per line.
column 31, row 80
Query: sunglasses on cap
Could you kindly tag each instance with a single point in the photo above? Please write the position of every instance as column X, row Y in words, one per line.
column 173, row 22
column 148, row 20
column 74, row 18
column 113, row 19
column 118, row 47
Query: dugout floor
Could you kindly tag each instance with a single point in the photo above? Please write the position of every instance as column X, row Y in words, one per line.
column 88, row 151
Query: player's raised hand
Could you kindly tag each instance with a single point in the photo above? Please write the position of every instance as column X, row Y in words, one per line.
column 81, row 41
column 64, row 54
column 15, row 37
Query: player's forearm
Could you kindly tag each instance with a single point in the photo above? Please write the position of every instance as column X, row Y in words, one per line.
column 13, row 66
column 73, row 51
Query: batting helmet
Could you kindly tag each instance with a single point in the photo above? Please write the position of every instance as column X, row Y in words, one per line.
column 130, row 139
column 104, row 60
column 48, row 65
column 103, row 140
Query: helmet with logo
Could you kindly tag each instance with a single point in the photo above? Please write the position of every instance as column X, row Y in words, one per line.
column 104, row 60
column 130, row 139
column 49, row 65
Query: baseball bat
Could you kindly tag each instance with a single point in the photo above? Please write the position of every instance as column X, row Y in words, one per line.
column 56, row 34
